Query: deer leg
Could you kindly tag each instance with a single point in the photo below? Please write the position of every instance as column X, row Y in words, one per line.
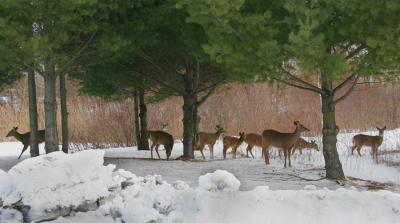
column 247, row 151
column 212, row 151
column 301, row 151
column 151, row 149
column 289, row 155
column 251, row 153
column 23, row 150
column 294, row 150
column 234, row 149
column 266, row 154
column 157, row 151
column 280, row 154
column 352, row 149
column 202, row 154
column 285, row 154
column 375, row 153
column 224, row 151
column 358, row 150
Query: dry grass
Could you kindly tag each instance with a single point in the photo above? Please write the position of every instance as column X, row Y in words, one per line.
column 237, row 107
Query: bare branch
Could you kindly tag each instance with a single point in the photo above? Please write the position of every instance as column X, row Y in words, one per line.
column 302, row 82
column 204, row 98
column 297, row 86
column 341, row 85
column 154, row 79
column 77, row 55
column 345, row 95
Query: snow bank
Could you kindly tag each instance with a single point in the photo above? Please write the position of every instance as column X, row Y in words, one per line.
column 58, row 180
column 220, row 180
column 152, row 200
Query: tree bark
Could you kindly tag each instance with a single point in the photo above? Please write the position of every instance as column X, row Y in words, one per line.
column 33, row 114
column 137, row 119
column 50, row 108
column 64, row 114
column 333, row 166
column 188, row 127
column 143, row 143
column 189, row 111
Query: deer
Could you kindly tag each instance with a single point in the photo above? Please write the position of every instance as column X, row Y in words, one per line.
column 252, row 139
column 233, row 142
column 374, row 142
column 282, row 141
column 303, row 144
column 160, row 137
column 25, row 138
column 206, row 138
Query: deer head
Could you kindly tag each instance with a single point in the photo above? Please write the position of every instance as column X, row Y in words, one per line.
column 241, row 136
column 300, row 127
column 381, row 130
column 314, row 145
column 12, row 132
column 164, row 126
column 219, row 129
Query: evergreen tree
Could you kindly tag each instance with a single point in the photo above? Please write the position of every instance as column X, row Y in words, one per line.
column 293, row 41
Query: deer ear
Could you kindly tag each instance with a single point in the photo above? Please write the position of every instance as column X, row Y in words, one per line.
column 296, row 122
column 313, row 141
column 384, row 127
column 16, row 128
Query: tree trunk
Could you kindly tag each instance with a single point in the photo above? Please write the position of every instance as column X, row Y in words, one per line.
column 137, row 119
column 143, row 143
column 64, row 114
column 33, row 114
column 189, row 113
column 188, row 126
column 50, row 108
column 333, row 166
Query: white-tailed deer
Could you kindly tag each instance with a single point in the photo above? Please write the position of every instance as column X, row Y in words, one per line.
column 374, row 142
column 25, row 138
column 159, row 137
column 303, row 144
column 233, row 142
column 282, row 141
column 206, row 138
column 252, row 140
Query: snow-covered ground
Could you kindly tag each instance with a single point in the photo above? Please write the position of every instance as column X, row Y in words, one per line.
column 81, row 189
column 305, row 169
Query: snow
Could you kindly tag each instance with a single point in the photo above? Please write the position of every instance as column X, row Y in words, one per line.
column 353, row 165
column 58, row 179
column 10, row 216
column 220, row 180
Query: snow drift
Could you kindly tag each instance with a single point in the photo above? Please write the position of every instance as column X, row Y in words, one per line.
column 57, row 180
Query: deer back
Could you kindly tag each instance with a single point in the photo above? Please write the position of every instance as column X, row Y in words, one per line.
column 207, row 138
column 253, row 139
column 366, row 140
column 279, row 139
column 160, row 137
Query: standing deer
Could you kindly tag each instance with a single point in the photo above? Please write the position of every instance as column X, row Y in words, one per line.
column 206, row 138
column 233, row 142
column 25, row 138
column 303, row 144
column 159, row 137
column 252, row 140
column 374, row 142
column 282, row 141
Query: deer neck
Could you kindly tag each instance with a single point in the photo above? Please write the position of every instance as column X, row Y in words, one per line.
column 18, row 136
column 218, row 133
column 296, row 132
